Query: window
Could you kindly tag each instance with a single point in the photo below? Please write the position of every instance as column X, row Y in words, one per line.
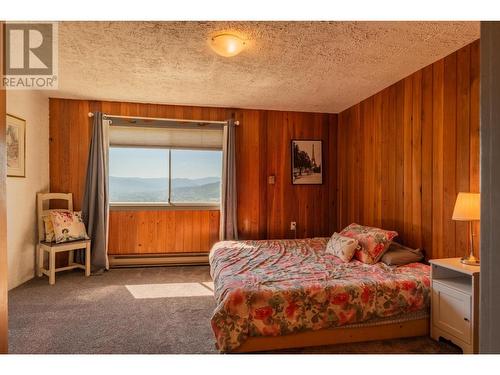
column 196, row 176
column 142, row 175
column 138, row 175
column 164, row 162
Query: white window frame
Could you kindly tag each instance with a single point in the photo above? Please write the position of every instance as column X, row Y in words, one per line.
column 165, row 205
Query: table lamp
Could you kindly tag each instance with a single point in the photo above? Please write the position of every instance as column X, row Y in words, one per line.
column 467, row 208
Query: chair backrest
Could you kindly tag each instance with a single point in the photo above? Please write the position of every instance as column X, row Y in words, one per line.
column 43, row 208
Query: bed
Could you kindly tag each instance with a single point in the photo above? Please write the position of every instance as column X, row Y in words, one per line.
column 277, row 294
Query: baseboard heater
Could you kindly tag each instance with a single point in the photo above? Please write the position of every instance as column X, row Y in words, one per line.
column 147, row 260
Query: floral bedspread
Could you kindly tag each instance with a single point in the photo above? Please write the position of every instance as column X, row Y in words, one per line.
column 278, row 287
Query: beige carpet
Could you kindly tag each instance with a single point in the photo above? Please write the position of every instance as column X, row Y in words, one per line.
column 140, row 310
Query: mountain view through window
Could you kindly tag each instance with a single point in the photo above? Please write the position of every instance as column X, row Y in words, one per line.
column 142, row 175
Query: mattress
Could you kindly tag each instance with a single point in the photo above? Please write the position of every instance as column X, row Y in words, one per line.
column 280, row 287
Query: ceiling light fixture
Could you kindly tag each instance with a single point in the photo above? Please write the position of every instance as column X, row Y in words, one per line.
column 227, row 45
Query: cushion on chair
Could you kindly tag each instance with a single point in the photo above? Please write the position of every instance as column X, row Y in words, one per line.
column 68, row 226
column 49, row 228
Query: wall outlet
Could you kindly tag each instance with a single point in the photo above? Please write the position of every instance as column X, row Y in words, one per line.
column 293, row 225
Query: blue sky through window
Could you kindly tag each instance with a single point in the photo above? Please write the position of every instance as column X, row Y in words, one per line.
column 153, row 163
column 196, row 164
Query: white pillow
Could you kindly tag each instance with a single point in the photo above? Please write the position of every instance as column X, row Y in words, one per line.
column 68, row 226
column 49, row 228
column 342, row 247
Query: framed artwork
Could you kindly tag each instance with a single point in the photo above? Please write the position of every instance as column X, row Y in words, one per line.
column 15, row 144
column 307, row 162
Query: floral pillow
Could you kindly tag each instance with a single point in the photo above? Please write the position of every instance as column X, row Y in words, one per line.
column 342, row 247
column 68, row 226
column 374, row 242
column 49, row 228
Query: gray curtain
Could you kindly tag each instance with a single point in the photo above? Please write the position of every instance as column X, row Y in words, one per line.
column 228, row 216
column 95, row 207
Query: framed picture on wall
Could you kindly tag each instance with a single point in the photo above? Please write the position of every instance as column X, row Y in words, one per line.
column 15, row 144
column 307, row 162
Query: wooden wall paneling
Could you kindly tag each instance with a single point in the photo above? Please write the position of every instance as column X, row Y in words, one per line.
column 4, row 331
column 377, row 158
column 252, row 174
column 151, row 219
column 406, row 195
column 350, row 161
column 79, row 142
column 399, row 147
column 323, row 192
column 474, row 129
column 285, row 210
column 214, row 217
column 332, row 172
column 341, row 184
column 70, row 132
column 329, row 176
column 141, row 226
column 359, row 164
column 449, row 151
column 354, row 165
column 263, row 143
column 197, row 228
column 387, row 157
column 462, row 141
column 419, row 147
column 395, row 160
column 416, row 161
column 127, row 232
column 348, row 158
column 264, row 175
column 179, row 234
column 308, row 205
column 394, row 139
column 427, row 158
column 114, row 235
column 169, row 233
column 162, row 231
column 340, row 151
column 368, row 184
column 275, row 157
column 347, row 178
column 364, row 211
column 437, row 159
column 303, row 207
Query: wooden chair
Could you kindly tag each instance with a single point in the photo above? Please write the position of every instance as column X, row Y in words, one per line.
column 52, row 248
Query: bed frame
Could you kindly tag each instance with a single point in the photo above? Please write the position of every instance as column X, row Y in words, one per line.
column 341, row 335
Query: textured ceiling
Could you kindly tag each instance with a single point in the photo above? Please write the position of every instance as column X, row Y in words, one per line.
column 302, row 66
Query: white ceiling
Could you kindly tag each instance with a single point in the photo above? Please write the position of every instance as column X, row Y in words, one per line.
column 301, row 66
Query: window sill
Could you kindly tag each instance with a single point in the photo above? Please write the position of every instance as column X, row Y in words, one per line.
column 164, row 206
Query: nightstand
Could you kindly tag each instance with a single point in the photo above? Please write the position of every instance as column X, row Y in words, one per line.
column 455, row 303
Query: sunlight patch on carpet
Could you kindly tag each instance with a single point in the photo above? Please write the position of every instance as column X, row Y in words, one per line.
column 169, row 290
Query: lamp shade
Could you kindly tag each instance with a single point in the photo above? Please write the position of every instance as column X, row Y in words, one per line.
column 467, row 207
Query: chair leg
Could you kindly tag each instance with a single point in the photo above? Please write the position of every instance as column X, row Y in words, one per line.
column 87, row 260
column 39, row 257
column 52, row 267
